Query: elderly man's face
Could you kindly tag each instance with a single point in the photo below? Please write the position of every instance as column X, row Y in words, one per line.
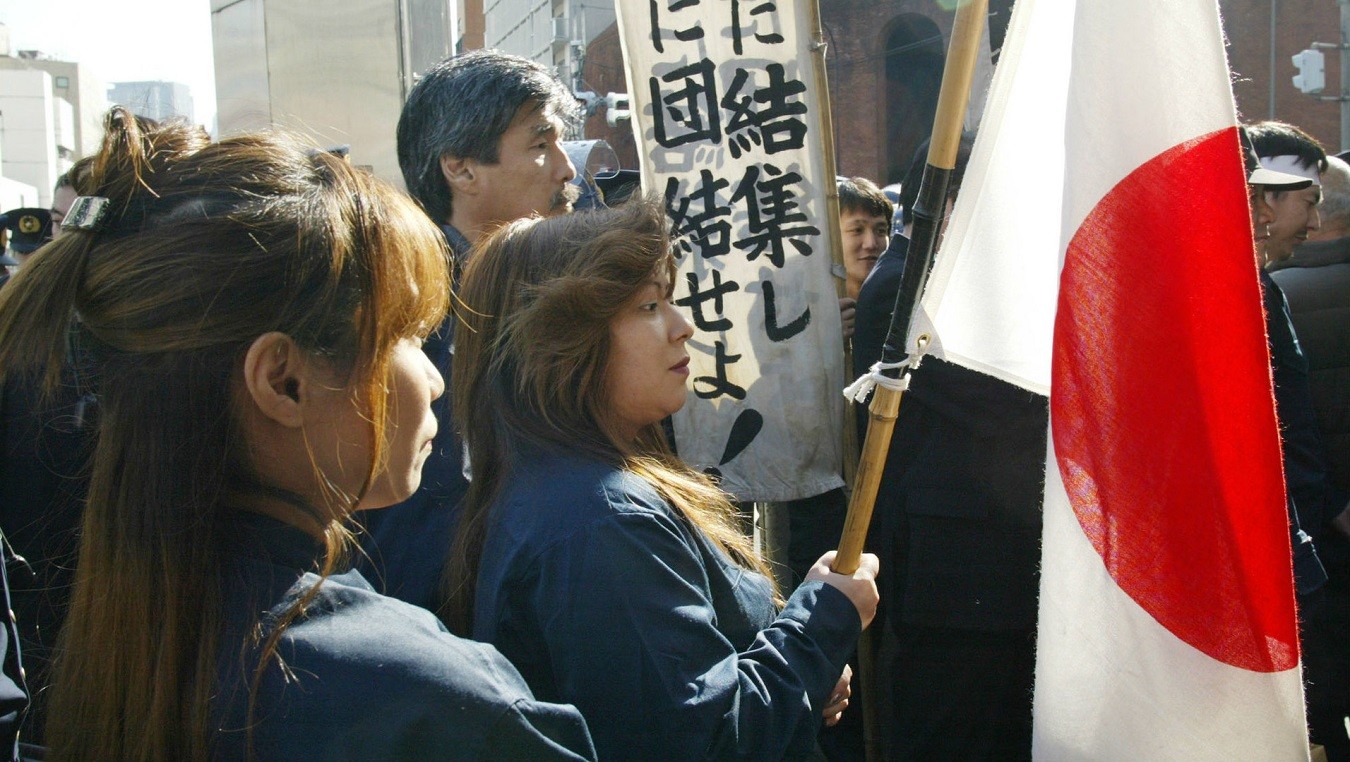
column 1295, row 213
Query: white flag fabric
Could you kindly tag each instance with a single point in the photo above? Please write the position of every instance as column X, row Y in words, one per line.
column 1101, row 253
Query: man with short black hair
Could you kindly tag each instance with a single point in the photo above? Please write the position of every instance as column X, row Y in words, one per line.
column 1316, row 283
column 865, row 226
column 479, row 144
column 1285, row 148
column 1283, row 213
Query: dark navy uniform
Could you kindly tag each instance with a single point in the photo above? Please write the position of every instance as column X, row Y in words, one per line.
column 603, row 596
column 370, row 677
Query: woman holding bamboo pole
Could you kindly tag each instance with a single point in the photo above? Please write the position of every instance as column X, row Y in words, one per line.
column 252, row 311
column 611, row 573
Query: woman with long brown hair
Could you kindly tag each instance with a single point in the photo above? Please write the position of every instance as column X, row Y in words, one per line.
column 252, row 311
column 612, row 574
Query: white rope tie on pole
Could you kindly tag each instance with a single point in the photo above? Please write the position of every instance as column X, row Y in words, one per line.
column 860, row 390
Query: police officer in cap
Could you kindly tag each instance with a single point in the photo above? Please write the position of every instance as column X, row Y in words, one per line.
column 28, row 228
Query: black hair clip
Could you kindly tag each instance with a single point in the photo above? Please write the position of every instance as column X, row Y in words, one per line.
column 87, row 213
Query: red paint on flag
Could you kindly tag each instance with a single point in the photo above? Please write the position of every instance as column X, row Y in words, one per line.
column 1162, row 410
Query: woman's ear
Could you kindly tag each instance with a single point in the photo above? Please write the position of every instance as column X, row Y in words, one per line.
column 274, row 375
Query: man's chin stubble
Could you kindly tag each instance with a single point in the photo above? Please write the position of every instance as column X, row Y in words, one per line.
column 564, row 199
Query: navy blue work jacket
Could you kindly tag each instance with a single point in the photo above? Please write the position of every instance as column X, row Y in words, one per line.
column 606, row 598
column 371, row 677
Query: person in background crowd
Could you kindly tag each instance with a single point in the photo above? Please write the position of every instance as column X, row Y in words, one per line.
column 877, row 299
column 47, row 439
column 1291, row 209
column 44, row 476
column 28, row 228
column 253, row 311
column 1284, row 213
column 14, row 696
column 865, row 223
column 479, row 144
column 958, row 527
column 1316, row 283
column 68, row 186
column 815, row 523
column 612, row 574
column 8, row 264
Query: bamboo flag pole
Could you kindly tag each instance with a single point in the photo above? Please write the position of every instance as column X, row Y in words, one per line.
column 818, row 50
column 870, row 698
column 929, row 209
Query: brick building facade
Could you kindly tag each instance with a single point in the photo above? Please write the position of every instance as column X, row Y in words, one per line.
column 885, row 63
column 1298, row 23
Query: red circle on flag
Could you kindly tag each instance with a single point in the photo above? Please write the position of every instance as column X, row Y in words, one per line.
column 1162, row 410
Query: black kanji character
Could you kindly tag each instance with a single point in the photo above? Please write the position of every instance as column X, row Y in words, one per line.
column 719, row 385
column 694, row 32
column 697, row 298
column 771, row 327
column 772, row 216
column 768, row 111
column 691, row 109
column 737, row 31
column 710, row 229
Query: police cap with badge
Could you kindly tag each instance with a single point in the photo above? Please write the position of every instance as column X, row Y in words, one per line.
column 28, row 227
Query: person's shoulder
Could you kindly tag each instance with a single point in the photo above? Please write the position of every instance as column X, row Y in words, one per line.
column 359, row 675
column 1315, row 254
column 353, row 639
column 572, row 504
column 579, row 485
column 1313, row 278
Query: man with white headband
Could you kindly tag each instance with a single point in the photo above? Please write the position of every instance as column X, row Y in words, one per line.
column 1290, row 212
column 1287, row 149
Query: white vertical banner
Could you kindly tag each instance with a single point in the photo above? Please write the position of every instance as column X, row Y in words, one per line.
column 725, row 104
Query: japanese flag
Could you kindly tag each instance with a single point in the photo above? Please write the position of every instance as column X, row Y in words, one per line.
column 1101, row 253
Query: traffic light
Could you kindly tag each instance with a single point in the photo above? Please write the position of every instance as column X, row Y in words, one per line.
column 1312, row 72
column 616, row 108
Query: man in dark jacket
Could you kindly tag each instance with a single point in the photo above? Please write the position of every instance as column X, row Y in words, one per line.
column 957, row 526
column 1283, row 216
column 1316, row 282
column 1291, row 215
column 479, row 144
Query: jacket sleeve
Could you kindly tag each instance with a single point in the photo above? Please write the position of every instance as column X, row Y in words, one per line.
column 531, row 730
column 625, row 609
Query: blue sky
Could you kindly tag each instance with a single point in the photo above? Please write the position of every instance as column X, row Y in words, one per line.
column 123, row 40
